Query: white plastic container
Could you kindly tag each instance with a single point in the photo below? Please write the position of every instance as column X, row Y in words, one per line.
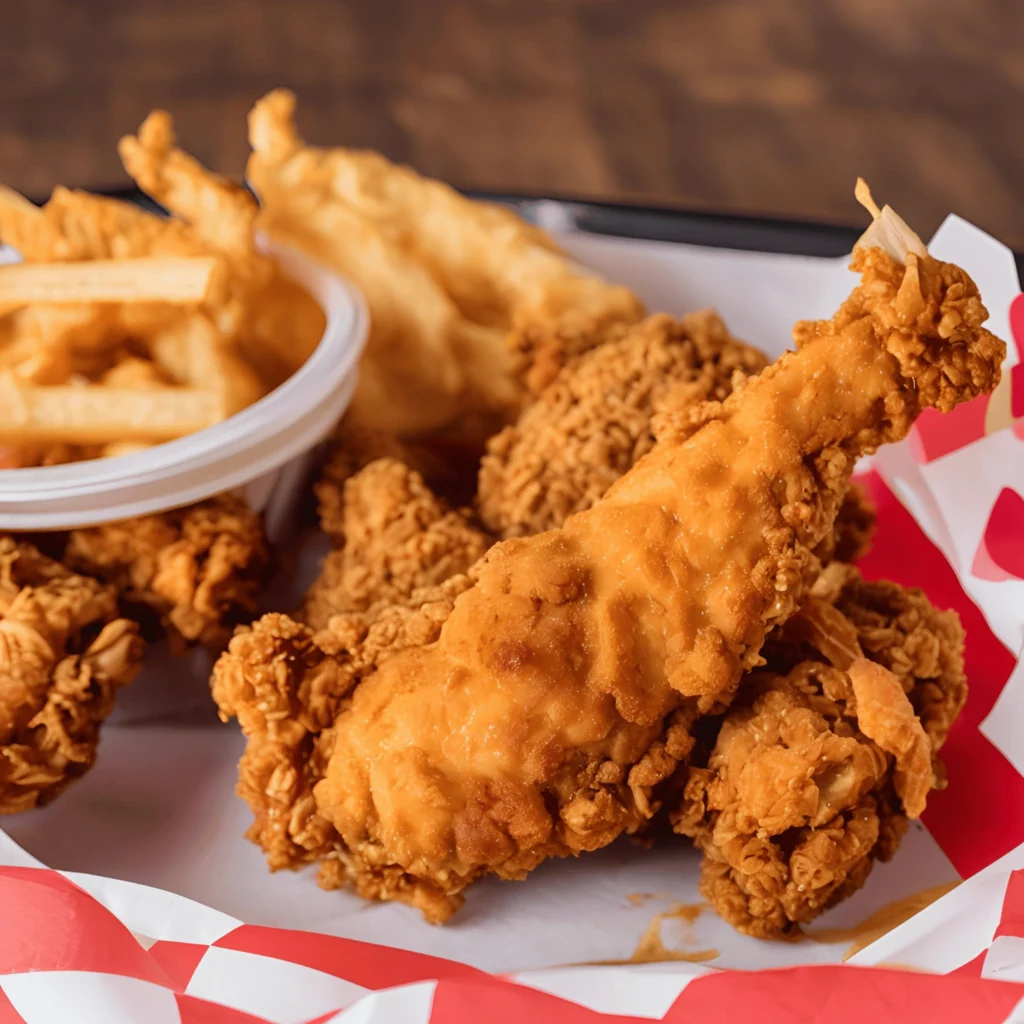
column 265, row 449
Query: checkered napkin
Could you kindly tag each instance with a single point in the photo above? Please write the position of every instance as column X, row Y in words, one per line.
column 87, row 949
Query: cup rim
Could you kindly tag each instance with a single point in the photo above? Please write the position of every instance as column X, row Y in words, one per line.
column 323, row 375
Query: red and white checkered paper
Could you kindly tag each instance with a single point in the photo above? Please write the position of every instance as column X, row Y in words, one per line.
column 79, row 947
column 88, row 949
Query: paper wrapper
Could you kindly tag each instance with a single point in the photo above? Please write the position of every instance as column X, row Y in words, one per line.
column 158, row 810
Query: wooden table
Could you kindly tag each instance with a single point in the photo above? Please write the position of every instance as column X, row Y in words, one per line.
column 760, row 106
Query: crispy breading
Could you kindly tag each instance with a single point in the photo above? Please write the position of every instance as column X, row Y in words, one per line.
column 597, row 418
column 800, row 793
column 64, row 653
column 900, row 629
column 194, row 572
column 286, row 683
column 398, row 538
column 352, row 449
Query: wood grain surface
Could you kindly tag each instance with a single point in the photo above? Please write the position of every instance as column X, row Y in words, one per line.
column 759, row 106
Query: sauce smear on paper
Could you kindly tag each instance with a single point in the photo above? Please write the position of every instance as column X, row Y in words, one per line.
column 651, row 950
column 882, row 921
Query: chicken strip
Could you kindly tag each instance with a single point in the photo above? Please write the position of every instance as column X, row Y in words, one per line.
column 597, row 418
column 194, row 572
column 561, row 688
column 398, row 538
column 466, row 299
column 63, row 655
column 825, row 754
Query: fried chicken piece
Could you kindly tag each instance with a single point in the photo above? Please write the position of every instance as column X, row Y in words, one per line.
column 63, row 655
column 352, row 449
column 286, row 684
column 596, row 419
column 399, row 538
column 564, row 683
column 855, row 527
column 465, row 297
column 823, row 757
column 899, row 628
column 193, row 572
column 524, row 731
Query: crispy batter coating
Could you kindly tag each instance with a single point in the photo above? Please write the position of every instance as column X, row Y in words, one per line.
column 465, row 297
column 398, row 537
column 821, row 759
column 352, row 448
column 564, row 682
column 855, row 527
column 596, row 419
column 286, row 683
column 900, row 629
column 63, row 655
column 193, row 572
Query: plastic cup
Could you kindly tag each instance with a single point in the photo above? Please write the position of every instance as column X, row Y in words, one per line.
column 266, row 450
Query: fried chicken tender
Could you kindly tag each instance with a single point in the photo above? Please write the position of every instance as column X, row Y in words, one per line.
column 465, row 297
column 398, row 538
column 193, row 572
column 823, row 756
column 597, row 418
column 561, row 686
column 64, row 653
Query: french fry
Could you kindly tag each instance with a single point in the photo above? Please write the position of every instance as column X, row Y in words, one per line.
column 31, row 363
column 174, row 280
column 87, row 415
column 134, row 373
column 112, row 451
column 192, row 352
column 123, row 329
column 78, row 327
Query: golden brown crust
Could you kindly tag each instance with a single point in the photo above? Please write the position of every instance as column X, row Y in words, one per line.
column 398, row 538
column 63, row 655
column 286, row 683
column 815, row 771
column 598, row 417
column 352, row 449
column 195, row 571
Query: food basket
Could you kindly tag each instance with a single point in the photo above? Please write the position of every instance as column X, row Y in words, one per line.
column 138, row 899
